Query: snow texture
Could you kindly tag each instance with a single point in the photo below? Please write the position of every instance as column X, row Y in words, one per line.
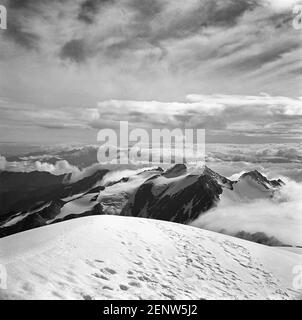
column 112, row 257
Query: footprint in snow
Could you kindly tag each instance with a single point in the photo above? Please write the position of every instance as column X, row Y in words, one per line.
column 123, row 287
column 100, row 276
column 107, row 288
column 109, row 270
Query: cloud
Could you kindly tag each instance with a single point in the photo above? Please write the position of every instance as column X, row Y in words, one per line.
column 270, row 104
column 257, row 153
column 274, row 159
column 59, row 168
column 283, row 4
column 26, row 39
column 30, row 163
column 75, row 50
column 139, row 52
column 32, row 115
column 280, row 218
column 232, row 114
column 262, row 118
column 19, row 27
column 89, row 9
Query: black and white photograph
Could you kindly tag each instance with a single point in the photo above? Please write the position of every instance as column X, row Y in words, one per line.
column 151, row 150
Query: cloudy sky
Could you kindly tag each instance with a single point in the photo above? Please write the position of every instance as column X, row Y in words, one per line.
column 71, row 67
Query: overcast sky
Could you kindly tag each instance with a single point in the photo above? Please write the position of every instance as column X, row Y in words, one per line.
column 71, row 67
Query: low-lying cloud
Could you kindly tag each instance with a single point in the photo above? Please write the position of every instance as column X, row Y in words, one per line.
column 59, row 168
column 256, row 153
column 280, row 217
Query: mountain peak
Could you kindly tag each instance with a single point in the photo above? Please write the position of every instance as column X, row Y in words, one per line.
column 261, row 179
column 175, row 171
column 254, row 174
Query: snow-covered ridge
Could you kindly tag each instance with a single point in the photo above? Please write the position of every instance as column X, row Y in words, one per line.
column 181, row 194
column 112, row 257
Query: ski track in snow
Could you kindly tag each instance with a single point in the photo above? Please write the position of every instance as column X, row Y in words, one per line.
column 113, row 257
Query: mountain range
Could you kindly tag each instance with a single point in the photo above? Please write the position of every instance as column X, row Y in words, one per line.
column 178, row 194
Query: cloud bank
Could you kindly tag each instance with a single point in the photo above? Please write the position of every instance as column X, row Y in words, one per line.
column 59, row 168
column 227, row 118
column 61, row 58
column 280, row 218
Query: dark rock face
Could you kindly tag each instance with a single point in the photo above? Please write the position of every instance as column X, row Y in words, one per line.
column 21, row 192
column 45, row 217
column 12, row 181
column 177, row 196
column 39, row 203
column 19, row 189
column 174, row 198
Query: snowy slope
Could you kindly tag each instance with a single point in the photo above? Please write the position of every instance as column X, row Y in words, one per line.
column 105, row 257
